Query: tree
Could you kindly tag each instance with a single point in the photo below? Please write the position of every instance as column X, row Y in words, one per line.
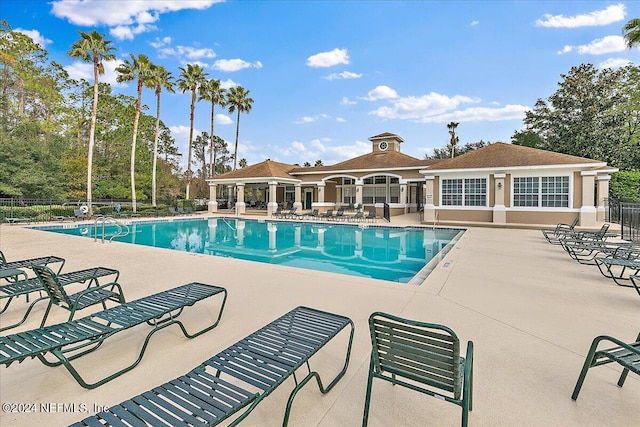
column 199, row 150
column 159, row 77
column 243, row 163
column 445, row 152
column 190, row 79
column 454, row 139
column 212, row 91
column 593, row 114
column 139, row 68
column 631, row 32
column 92, row 47
column 306, row 164
column 238, row 100
column 318, row 163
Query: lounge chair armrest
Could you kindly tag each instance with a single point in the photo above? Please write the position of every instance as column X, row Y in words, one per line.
column 95, row 288
column 616, row 341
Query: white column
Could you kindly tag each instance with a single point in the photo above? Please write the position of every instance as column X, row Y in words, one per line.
column 429, row 206
column 297, row 203
column 603, row 195
column 359, row 184
column 240, row 233
column 240, row 204
column 272, row 227
column 588, row 210
column 499, row 210
column 229, row 195
column 213, row 203
column 272, row 205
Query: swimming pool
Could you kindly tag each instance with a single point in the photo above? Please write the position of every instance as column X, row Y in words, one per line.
column 387, row 253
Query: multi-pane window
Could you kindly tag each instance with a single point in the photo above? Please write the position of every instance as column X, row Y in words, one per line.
column 452, row 192
column 546, row 191
column 464, row 192
column 348, row 194
column 289, row 194
column 475, row 192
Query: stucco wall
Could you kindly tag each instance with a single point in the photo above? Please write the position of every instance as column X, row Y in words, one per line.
column 551, row 218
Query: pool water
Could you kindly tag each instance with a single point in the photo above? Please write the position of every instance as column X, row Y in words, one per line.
column 378, row 252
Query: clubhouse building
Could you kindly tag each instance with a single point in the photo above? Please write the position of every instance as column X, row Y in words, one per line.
column 499, row 184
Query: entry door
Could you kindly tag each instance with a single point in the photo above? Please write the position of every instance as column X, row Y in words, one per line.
column 308, row 196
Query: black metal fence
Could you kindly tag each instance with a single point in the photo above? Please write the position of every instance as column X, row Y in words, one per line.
column 39, row 210
column 627, row 214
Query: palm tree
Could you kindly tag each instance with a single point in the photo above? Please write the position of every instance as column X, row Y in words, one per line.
column 190, row 79
column 211, row 91
column 92, row 47
column 631, row 32
column 139, row 68
column 238, row 100
column 454, row 139
column 159, row 77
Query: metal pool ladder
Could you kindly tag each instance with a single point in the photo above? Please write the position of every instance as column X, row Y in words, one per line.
column 121, row 229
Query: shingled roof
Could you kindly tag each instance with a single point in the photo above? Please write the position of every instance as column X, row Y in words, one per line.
column 375, row 160
column 265, row 169
column 502, row 155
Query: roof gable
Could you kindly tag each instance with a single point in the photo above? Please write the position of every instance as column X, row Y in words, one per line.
column 267, row 168
column 376, row 160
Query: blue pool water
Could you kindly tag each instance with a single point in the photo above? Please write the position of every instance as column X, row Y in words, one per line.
column 386, row 253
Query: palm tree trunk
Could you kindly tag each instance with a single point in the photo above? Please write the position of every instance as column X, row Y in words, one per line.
column 193, row 107
column 92, row 132
column 133, row 147
column 235, row 151
column 155, row 153
column 211, row 154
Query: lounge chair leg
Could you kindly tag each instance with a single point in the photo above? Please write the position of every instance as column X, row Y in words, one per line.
column 623, row 377
column 587, row 364
column 367, row 399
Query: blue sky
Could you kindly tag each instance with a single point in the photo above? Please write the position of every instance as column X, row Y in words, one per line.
column 327, row 75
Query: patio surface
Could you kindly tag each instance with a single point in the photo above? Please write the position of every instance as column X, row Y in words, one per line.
column 530, row 310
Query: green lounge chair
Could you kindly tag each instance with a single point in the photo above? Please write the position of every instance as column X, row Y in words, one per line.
column 30, row 262
column 34, row 284
column 626, row 355
column 277, row 213
column 76, row 338
column 421, row 356
column 96, row 294
column 371, row 216
column 238, row 378
column 635, row 281
column 326, row 215
column 554, row 234
column 357, row 217
column 621, row 265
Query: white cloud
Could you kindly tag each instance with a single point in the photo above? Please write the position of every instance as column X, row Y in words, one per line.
column 608, row 44
column 223, row 119
column 321, row 149
column 328, row 59
column 343, row 75
column 422, row 108
column 311, row 119
column 138, row 16
column 84, row 70
column 614, row 63
column 158, row 43
column 231, row 65
column 35, row 36
column 346, row 101
column 611, row 14
column 184, row 53
column 381, row 92
column 480, row 114
column 228, row 84
column 340, row 120
column 181, row 135
column 474, row 23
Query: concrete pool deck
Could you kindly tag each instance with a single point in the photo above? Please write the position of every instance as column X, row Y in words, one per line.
column 530, row 310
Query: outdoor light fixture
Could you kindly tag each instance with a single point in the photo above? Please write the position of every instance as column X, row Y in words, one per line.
column 499, row 185
column 357, row 189
column 402, row 189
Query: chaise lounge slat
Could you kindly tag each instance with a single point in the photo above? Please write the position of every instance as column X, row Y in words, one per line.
column 257, row 365
column 70, row 340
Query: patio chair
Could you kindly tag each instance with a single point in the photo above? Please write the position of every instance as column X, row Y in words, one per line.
column 339, row 216
column 635, row 281
column 326, row 215
column 357, row 217
column 586, row 251
column 30, row 262
column 76, row 338
column 421, row 356
column 626, row 355
column 277, row 213
column 623, row 263
column 34, row 284
column 600, row 235
column 371, row 216
column 97, row 294
column 553, row 234
column 313, row 214
column 237, row 379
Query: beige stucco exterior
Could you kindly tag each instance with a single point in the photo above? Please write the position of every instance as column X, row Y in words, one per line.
column 553, row 187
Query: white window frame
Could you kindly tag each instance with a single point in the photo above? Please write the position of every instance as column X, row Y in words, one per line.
column 540, row 194
column 463, row 191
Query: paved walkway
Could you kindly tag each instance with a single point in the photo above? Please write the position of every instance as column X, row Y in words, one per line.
column 530, row 311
